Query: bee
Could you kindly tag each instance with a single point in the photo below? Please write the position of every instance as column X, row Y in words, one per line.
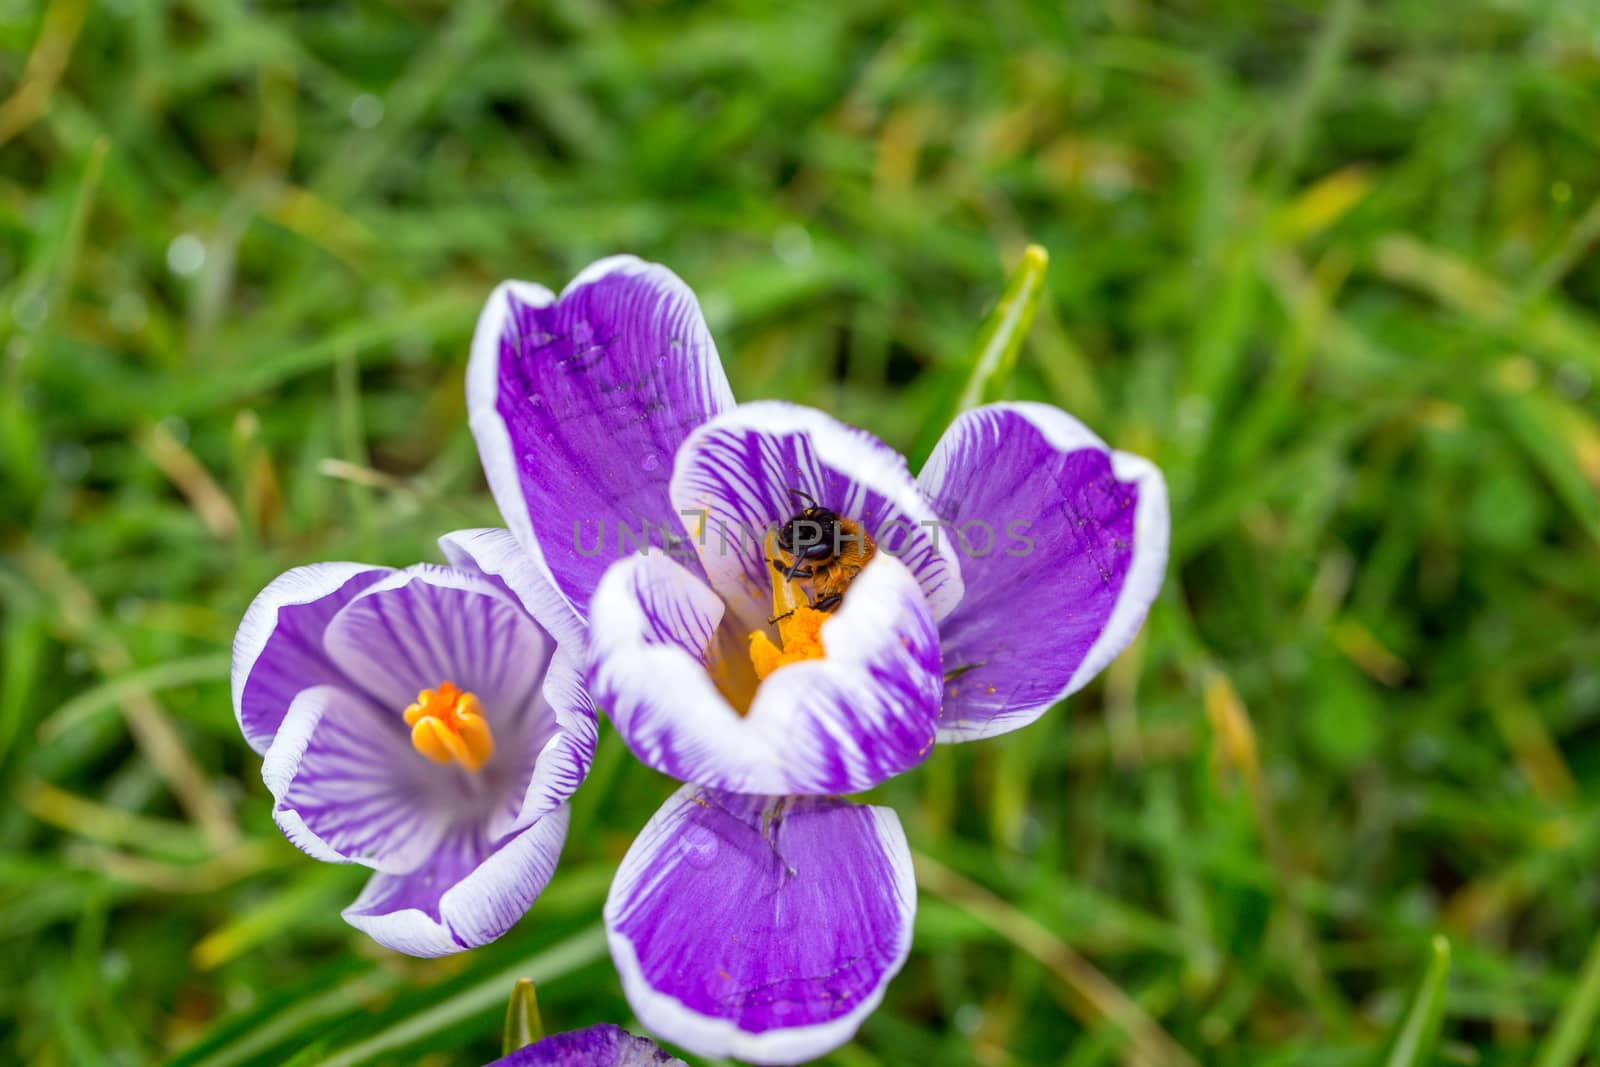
column 823, row 547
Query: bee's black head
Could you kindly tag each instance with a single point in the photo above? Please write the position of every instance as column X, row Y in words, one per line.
column 810, row 528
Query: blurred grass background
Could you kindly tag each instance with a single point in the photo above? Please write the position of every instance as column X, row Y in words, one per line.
column 1329, row 264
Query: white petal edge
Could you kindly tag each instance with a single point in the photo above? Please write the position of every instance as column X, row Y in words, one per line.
column 469, row 908
column 1152, row 532
column 564, row 762
column 1060, row 430
column 495, row 450
column 301, row 585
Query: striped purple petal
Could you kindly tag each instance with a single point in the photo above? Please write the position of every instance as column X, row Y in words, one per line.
column 496, row 555
column 578, row 405
column 277, row 650
column 734, row 478
column 349, row 789
column 564, row 760
column 1064, row 544
column 470, row 892
column 598, row 1046
column 865, row 712
column 424, row 625
column 761, row 928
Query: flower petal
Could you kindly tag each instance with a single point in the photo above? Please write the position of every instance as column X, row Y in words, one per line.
column 1064, row 548
column 468, row 894
column 737, row 471
column 598, row 1046
column 497, row 554
column 865, row 712
column 761, row 928
column 579, row 404
column 427, row 624
column 564, row 760
column 277, row 650
column 348, row 788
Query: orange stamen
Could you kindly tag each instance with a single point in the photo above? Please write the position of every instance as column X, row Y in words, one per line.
column 447, row 726
column 799, row 624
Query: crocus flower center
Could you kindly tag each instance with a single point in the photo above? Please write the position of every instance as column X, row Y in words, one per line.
column 799, row 624
column 447, row 726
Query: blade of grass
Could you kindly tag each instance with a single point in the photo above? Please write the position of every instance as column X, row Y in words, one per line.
column 1001, row 336
column 46, row 63
column 104, row 697
column 523, row 1026
column 999, row 340
column 1575, row 1026
column 1411, row 1043
column 149, row 724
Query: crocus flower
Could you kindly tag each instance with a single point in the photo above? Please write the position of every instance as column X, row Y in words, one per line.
column 758, row 915
column 422, row 724
column 598, row 1046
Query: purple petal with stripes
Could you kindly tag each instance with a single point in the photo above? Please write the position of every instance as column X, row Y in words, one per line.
column 497, row 555
column 428, row 624
column 1064, row 544
column 469, row 892
column 865, row 712
column 761, row 928
column 733, row 479
column 348, row 786
column 578, row 405
column 277, row 650
column 598, row 1046
column 564, row 760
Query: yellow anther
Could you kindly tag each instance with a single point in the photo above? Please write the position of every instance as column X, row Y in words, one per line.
column 799, row 624
column 448, row 726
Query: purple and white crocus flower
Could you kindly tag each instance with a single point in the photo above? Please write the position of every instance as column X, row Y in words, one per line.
column 758, row 915
column 422, row 724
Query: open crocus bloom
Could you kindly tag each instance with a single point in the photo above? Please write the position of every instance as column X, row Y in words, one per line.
column 421, row 723
column 598, row 1046
column 759, row 916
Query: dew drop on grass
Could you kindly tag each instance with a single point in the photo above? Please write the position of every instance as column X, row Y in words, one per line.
column 186, row 255
column 969, row 1018
column 792, row 245
column 366, row 111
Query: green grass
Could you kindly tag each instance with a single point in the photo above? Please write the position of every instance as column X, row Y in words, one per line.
column 1331, row 266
